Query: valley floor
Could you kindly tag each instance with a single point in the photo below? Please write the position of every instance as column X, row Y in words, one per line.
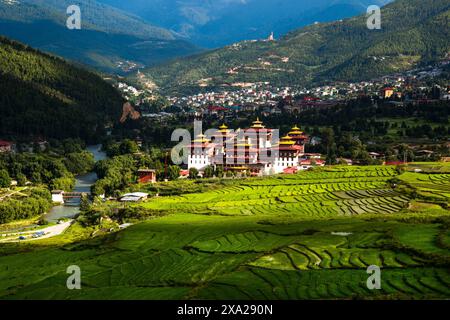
column 306, row 236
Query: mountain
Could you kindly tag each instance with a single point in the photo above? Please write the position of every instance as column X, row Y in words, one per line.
column 44, row 96
column 413, row 32
column 108, row 38
column 217, row 23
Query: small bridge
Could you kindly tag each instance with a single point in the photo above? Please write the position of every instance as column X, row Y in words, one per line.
column 59, row 196
column 73, row 195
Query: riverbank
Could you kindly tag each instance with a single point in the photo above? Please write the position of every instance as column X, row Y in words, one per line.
column 71, row 210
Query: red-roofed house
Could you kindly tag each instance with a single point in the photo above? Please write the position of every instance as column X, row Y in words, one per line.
column 184, row 173
column 309, row 163
column 290, row 171
column 5, row 146
column 147, row 176
column 386, row 93
column 394, row 163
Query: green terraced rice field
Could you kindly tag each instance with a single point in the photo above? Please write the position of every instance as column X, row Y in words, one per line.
column 434, row 185
column 306, row 236
column 323, row 194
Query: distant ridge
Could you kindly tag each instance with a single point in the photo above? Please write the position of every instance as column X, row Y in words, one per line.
column 413, row 32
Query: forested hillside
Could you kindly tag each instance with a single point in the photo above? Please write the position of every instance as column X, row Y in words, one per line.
column 107, row 37
column 413, row 32
column 44, row 96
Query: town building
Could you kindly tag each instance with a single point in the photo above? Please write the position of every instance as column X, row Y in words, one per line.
column 146, row 176
column 134, row 197
column 5, row 146
column 200, row 153
column 58, row 196
column 386, row 93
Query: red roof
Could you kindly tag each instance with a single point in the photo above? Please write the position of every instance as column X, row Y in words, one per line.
column 184, row 173
column 4, row 143
column 290, row 170
column 394, row 163
column 287, row 148
column 309, row 162
column 310, row 99
column 217, row 108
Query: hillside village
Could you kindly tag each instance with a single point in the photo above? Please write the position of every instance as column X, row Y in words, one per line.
column 413, row 86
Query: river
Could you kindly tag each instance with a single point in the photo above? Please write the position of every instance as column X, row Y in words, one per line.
column 83, row 184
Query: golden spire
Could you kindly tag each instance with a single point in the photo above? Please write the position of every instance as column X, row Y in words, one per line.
column 295, row 131
column 223, row 129
column 202, row 139
column 258, row 124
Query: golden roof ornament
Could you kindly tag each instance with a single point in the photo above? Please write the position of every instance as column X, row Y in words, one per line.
column 258, row 124
column 202, row 139
column 287, row 141
column 295, row 131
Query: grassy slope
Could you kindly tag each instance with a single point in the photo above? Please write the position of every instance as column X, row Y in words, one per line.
column 271, row 254
column 412, row 32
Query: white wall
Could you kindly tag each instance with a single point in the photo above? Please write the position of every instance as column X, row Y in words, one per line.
column 198, row 162
column 58, row 198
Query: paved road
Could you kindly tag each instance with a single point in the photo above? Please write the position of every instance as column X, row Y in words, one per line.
column 50, row 232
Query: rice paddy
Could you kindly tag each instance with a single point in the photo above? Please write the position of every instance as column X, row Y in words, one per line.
column 305, row 236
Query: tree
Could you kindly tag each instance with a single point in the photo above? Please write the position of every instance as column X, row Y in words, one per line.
column 80, row 162
column 331, row 159
column 128, row 147
column 193, row 173
column 64, row 183
column 98, row 188
column 219, row 172
column 173, row 172
column 5, row 179
column 21, row 179
column 208, row 172
column 85, row 204
column 363, row 158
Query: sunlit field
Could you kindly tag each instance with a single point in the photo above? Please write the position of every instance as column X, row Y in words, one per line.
column 305, row 236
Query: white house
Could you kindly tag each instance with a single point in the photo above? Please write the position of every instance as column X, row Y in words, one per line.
column 57, row 196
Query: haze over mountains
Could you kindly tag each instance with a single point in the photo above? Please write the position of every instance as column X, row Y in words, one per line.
column 215, row 23
column 148, row 32
column 108, row 36
column 413, row 32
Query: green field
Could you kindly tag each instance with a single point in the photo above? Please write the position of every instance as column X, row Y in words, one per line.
column 305, row 236
column 432, row 186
